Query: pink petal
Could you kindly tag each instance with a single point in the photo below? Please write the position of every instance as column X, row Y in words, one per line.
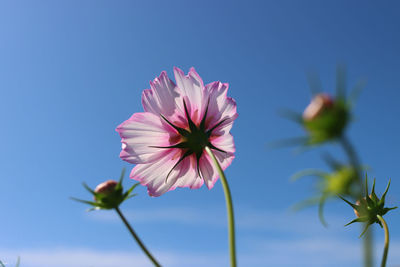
column 161, row 98
column 224, row 159
column 209, row 171
column 191, row 88
column 224, row 142
column 154, row 175
column 189, row 176
column 221, row 108
column 141, row 135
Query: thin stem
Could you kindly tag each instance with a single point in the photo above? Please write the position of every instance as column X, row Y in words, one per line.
column 135, row 236
column 353, row 157
column 229, row 207
column 386, row 248
column 355, row 162
column 367, row 245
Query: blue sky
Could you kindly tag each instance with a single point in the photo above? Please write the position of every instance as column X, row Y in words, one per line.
column 71, row 71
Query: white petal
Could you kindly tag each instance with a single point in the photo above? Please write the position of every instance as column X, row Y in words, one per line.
column 141, row 135
column 209, row 171
column 189, row 176
column 224, row 142
column 220, row 108
column 161, row 98
column 191, row 88
column 155, row 175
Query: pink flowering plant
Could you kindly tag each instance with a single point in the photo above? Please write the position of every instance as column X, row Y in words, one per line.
column 182, row 139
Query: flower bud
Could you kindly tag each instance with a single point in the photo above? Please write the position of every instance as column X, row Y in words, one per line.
column 319, row 104
column 368, row 208
column 109, row 194
column 106, row 187
column 359, row 211
column 325, row 118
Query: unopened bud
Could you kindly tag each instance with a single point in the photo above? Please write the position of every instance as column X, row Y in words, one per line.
column 318, row 104
column 358, row 203
column 106, row 187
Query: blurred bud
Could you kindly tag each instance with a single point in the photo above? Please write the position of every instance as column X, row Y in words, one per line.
column 319, row 103
column 340, row 182
column 325, row 118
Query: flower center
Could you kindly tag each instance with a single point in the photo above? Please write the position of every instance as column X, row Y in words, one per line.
column 194, row 140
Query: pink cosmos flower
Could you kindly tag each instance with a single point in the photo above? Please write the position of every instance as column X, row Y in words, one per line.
column 167, row 142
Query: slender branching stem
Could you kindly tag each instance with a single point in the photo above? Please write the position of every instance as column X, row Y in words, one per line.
column 136, row 237
column 229, row 207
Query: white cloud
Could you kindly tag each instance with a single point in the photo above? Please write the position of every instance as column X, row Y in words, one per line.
column 301, row 252
column 302, row 241
column 84, row 257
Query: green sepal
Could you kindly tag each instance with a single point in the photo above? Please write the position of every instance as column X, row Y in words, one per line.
column 127, row 194
column 348, row 202
column 384, row 193
column 386, row 210
column 88, row 188
column 85, row 201
column 321, row 205
column 308, row 172
column 121, row 177
column 360, row 219
column 291, row 115
column 365, row 230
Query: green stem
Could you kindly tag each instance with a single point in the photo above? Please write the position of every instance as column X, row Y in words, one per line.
column 229, row 207
column 135, row 236
column 386, row 248
column 355, row 162
column 367, row 244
